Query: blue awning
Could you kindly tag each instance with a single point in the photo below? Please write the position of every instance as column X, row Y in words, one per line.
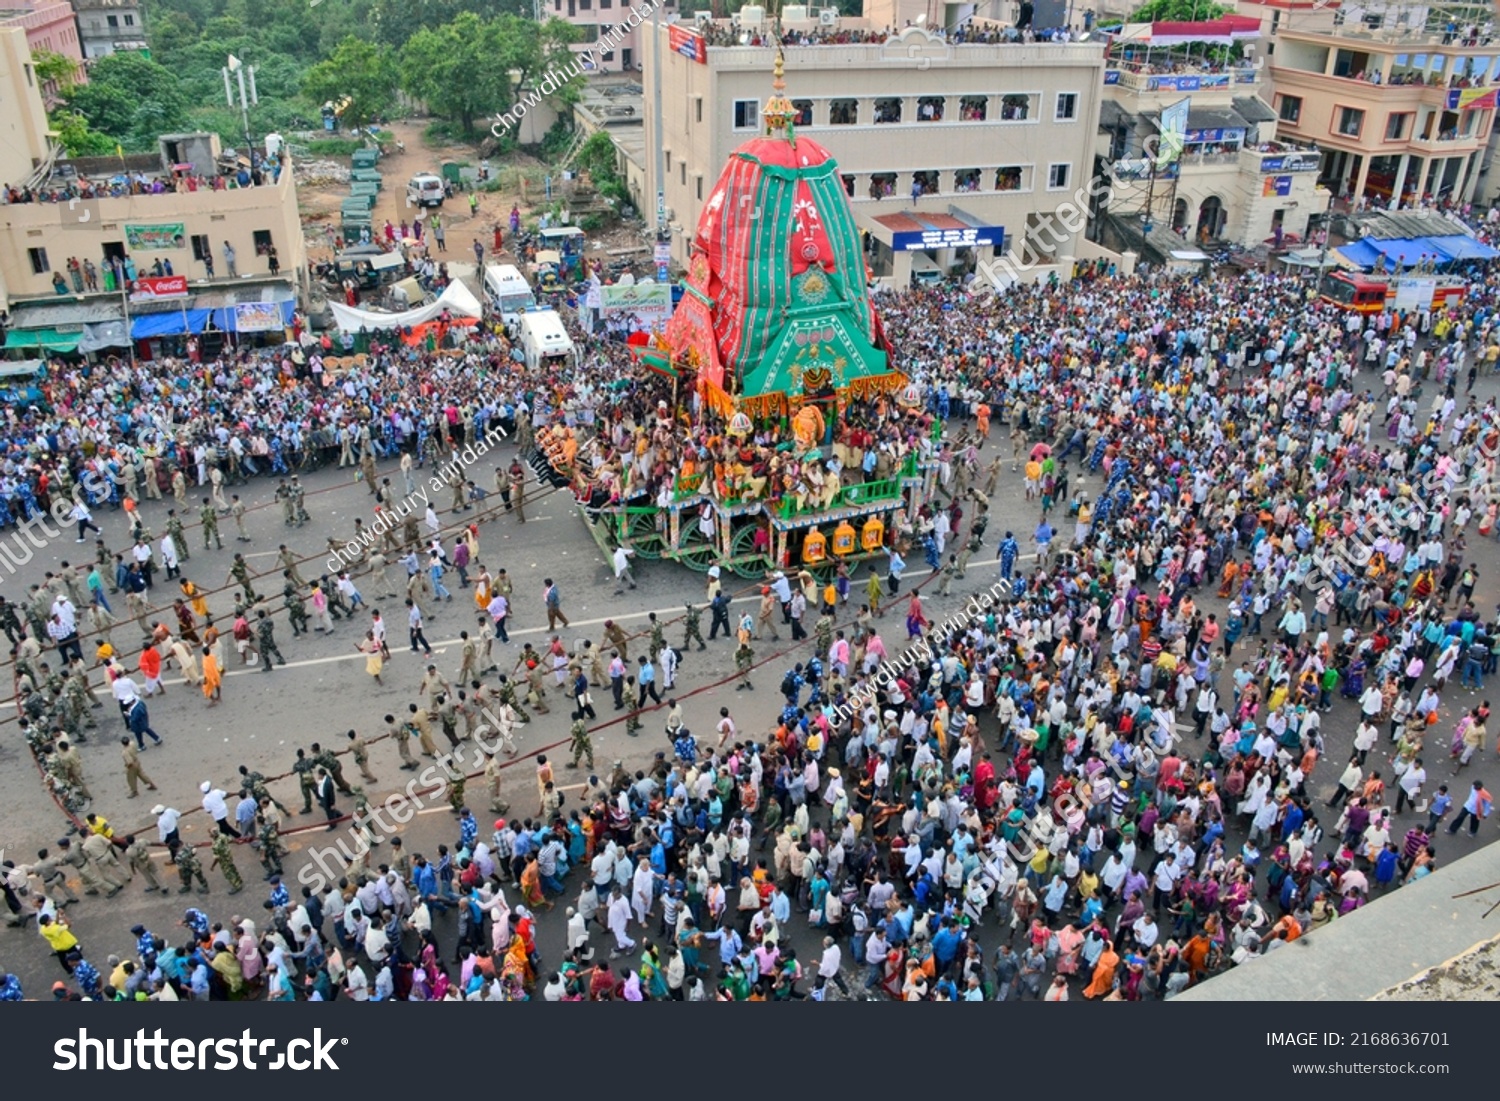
column 1460, row 246
column 168, row 324
column 1405, row 251
column 1359, row 253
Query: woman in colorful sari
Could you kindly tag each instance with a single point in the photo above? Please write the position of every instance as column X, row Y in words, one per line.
column 531, row 884
column 1104, row 973
column 1069, row 944
column 516, row 966
column 653, row 979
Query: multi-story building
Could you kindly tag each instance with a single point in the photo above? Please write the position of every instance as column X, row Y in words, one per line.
column 1401, row 99
column 105, row 26
column 948, row 150
column 161, row 218
column 23, row 118
column 1238, row 179
column 50, row 27
column 597, row 18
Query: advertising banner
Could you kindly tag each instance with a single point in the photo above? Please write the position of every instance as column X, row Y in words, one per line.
column 258, row 317
column 156, row 238
column 150, row 288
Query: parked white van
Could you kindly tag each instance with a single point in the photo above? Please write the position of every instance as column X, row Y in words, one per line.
column 545, row 341
column 425, row 189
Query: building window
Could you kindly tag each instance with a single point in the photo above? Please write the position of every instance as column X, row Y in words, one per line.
column 1009, row 178
column 887, row 110
column 1067, row 106
column 585, row 5
column 930, row 108
column 843, row 112
column 38, row 257
column 667, row 156
column 882, row 185
column 682, row 173
column 114, row 21
column 804, row 112
column 1349, row 121
column 1057, row 175
column 746, row 114
column 262, row 238
column 699, row 181
column 129, row 20
column 973, row 108
column 1015, row 108
column 606, row 4
column 698, row 109
column 1398, row 125
column 1289, row 109
column 29, row 81
column 967, row 179
column 923, row 183
column 202, row 250
column 848, row 185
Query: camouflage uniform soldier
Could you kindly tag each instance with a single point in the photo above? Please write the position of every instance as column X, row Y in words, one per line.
column 188, row 869
column 296, row 608
column 255, row 783
column 822, row 636
column 974, row 543
column 239, row 573
column 270, row 846
column 139, row 858
column 179, row 540
column 224, row 861
column 690, row 631
column 582, row 746
column 298, row 496
column 288, row 506
column 304, row 770
column 210, row 521
column 265, row 633
column 744, row 658
column 506, row 694
column 325, row 759
column 456, row 790
column 658, row 641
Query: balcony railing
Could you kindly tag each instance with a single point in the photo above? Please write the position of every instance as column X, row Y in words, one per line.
column 1211, row 160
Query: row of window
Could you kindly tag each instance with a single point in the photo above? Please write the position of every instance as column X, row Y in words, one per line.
column 1349, row 122
column 202, row 250
column 1015, row 107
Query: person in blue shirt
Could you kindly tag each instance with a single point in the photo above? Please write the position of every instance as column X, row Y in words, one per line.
column 946, row 943
column 86, row 975
column 468, row 829
column 10, row 989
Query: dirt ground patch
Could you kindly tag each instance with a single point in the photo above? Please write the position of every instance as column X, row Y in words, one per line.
column 1473, row 976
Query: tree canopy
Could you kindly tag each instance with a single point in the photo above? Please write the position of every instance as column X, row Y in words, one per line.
column 1179, row 11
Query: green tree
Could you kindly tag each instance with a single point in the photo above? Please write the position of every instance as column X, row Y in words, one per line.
column 363, row 71
column 1178, row 11
column 51, row 68
column 126, row 93
column 461, row 69
column 75, row 136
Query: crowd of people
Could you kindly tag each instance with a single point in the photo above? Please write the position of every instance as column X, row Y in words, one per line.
column 1110, row 784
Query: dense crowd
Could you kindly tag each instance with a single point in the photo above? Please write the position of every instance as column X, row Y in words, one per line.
column 1109, row 784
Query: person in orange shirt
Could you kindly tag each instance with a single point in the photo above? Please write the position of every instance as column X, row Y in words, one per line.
column 982, row 415
column 150, row 667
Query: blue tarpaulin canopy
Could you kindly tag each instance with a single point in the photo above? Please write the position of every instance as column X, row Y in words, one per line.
column 1405, row 251
column 168, row 324
column 1461, row 247
column 1359, row 253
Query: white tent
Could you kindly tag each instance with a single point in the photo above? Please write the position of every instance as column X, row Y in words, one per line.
column 457, row 299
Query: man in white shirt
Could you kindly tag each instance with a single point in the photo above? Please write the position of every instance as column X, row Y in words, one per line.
column 166, row 823
column 623, row 574
column 217, row 808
